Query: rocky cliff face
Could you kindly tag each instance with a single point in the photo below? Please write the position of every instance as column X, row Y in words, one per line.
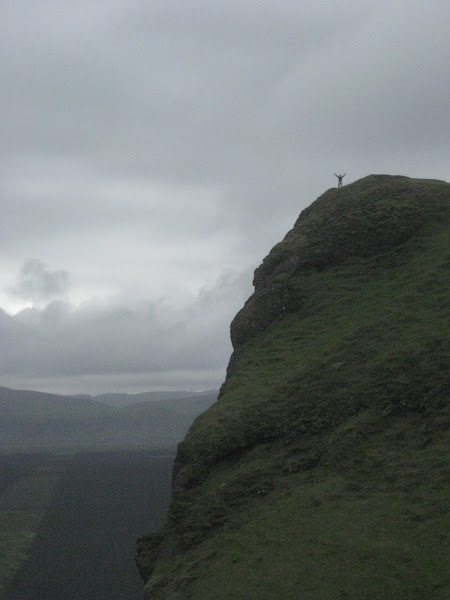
column 332, row 411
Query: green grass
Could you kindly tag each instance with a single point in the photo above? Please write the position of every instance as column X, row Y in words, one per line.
column 375, row 525
column 327, row 542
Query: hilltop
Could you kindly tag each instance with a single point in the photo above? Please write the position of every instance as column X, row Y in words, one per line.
column 320, row 472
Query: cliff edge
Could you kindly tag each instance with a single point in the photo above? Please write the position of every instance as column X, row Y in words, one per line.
column 320, row 472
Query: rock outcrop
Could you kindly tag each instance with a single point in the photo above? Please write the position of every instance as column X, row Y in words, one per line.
column 367, row 218
column 331, row 423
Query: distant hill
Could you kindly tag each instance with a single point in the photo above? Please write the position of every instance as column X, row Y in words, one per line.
column 27, row 402
column 121, row 399
column 36, row 420
column 322, row 470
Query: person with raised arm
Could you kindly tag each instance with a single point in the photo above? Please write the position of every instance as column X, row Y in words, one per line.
column 340, row 178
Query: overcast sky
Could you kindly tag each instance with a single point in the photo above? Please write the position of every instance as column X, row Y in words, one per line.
column 154, row 151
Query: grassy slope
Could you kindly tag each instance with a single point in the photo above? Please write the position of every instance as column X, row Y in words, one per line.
column 320, row 472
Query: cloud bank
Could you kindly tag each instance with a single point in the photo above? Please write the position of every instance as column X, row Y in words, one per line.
column 153, row 153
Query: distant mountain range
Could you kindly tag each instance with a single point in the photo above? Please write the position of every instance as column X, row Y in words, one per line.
column 122, row 399
column 37, row 420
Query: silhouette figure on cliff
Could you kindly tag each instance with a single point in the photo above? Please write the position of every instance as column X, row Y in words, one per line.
column 340, row 178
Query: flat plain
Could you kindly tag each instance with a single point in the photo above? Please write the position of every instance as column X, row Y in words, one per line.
column 69, row 522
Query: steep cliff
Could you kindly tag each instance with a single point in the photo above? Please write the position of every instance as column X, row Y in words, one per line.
column 320, row 471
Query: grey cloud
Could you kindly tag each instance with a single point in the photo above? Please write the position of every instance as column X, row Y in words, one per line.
column 148, row 340
column 196, row 73
column 37, row 283
column 198, row 87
